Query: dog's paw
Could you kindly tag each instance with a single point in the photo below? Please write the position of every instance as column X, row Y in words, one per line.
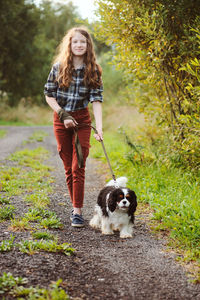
column 125, row 235
column 95, row 226
column 106, row 232
column 95, row 223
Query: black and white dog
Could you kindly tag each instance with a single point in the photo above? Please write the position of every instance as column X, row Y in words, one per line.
column 115, row 209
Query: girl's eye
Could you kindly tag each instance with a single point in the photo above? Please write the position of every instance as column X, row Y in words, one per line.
column 75, row 41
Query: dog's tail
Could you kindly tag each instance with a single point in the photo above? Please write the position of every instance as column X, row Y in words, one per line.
column 121, row 181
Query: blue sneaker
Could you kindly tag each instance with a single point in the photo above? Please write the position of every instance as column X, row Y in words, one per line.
column 77, row 221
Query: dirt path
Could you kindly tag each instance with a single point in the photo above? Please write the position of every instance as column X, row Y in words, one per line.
column 105, row 267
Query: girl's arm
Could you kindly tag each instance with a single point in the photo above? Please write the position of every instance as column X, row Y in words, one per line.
column 56, row 107
column 97, row 110
column 53, row 103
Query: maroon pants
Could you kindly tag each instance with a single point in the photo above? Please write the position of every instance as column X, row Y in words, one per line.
column 75, row 176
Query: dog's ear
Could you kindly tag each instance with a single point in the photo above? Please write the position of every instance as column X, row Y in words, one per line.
column 112, row 200
column 133, row 203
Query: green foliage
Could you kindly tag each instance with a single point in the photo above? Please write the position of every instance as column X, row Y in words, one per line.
column 2, row 133
column 35, row 214
column 156, row 46
column 39, row 199
column 28, row 157
column 37, row 136
column 20, row 224
column 43, row 235
column 112, row 78
column 8, row 282
column 7, row 245
column 20, row 25
column 14, row 286
column 53, row 293
column 30, row 247
column 31, row 176
column 51, row 222
column 6, row 212
column 46, row 242
column 4, row 200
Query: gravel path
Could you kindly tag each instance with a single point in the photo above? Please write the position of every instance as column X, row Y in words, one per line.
column 104, row 267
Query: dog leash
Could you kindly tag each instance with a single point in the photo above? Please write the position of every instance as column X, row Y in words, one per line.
column 106, row 155
column 80, row 155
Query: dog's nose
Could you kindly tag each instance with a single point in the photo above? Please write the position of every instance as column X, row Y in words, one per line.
column 124, row 202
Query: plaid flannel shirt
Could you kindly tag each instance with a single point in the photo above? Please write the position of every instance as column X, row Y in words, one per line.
column 77, row 95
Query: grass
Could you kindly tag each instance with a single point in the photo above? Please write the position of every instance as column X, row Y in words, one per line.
column 29, row 176
column 10, row 285
column 22, row 115
column 44, row 241
column 43, row 235
column 20, row 224
column 37, row 136
column 2, row 133
column 51, row 222
column 30, row 180
column 35, row 214
column 7, row 245
column 8, row 282
column 31, row 246
column 32, row 177
column 6, row 212
column 172, row 193
column 39, row 199
column 54, row 292
column 43, row 217
column 4, row 200
column 29, row 157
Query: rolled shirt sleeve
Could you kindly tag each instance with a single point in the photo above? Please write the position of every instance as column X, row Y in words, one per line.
column 50, row 88
column 96, row 94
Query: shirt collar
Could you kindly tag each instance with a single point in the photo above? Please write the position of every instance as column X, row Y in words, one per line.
column 81, row 67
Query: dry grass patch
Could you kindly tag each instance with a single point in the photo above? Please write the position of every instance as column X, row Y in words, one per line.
column 33, row 115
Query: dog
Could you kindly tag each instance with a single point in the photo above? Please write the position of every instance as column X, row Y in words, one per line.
column 115, row 209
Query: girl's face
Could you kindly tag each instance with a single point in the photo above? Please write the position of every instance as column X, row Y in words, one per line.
column 78, row 44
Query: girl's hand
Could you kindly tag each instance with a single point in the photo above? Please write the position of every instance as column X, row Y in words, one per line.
column 99, row 136
column 70, row 123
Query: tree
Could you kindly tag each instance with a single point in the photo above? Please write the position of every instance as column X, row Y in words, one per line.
column 154, row 42
column 19, row 26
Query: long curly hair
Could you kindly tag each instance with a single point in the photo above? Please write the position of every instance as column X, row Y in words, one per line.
column 93, row 71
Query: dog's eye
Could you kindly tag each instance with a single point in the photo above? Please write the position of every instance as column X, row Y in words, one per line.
column 120, row 197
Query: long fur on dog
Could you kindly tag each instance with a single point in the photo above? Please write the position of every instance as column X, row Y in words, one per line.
column 115, row 209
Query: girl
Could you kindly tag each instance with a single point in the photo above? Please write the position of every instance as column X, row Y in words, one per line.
column 74, row 81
